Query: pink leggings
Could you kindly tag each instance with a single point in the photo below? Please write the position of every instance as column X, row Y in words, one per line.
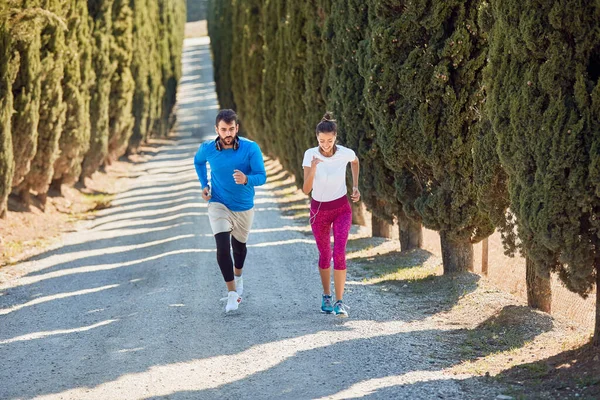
column 336, row 213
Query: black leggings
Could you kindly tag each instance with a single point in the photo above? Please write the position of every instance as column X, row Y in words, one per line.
column 224, row 254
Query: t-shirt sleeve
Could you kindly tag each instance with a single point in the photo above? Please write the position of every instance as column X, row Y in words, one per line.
column 306, row 162
column 351, row 155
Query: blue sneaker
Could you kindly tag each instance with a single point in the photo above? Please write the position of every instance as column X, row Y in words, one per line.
column 326, row 306
column 339, row 309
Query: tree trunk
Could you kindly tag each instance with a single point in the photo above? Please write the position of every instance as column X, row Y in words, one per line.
column 596, row 338
column 43, row 197
column 358, row 214
column 539, row 292
column 380, row 227
column 56, row 187
column 484, row 257
column 411, row 233
column 456, row 256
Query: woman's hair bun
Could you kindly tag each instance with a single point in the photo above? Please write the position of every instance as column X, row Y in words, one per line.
column 328, row 116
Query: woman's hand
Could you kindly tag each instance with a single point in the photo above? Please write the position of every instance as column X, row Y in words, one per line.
column 355, row 196
column 315, row 161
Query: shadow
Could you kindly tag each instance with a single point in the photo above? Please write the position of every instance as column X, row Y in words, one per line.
column 406, row 274
column 129, row 307
column 570, row 374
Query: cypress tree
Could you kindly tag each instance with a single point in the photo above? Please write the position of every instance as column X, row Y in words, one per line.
column 120, row 123
column 543, row 98
column 423, row 92
column 252, row 57
column 315, row 69
column 26, row 92
column 175, row 32
column 52, row 107
column 273, row 12
column 75, row 138
column 237, row 67
column 349, row 25
column 100, row 12
column 491, row 182
column 155, row 83
column 291, row 42
column 221, row 37
column 140, row 67
column 8, row 69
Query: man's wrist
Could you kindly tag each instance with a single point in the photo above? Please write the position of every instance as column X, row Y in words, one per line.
column 246, row 180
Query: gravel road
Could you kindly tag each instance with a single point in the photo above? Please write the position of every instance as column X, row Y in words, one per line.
column 128, row 307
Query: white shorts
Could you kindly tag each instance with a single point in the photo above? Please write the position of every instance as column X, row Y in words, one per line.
column 222, row 219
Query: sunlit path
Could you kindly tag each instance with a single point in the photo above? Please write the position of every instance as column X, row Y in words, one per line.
column 128, row 307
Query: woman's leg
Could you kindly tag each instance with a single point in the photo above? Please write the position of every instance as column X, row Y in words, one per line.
column 321, row 228
column 341, row 229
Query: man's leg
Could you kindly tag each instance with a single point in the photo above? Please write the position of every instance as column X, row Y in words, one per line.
column 242, row 222
column 239, row 256
column 224, row 259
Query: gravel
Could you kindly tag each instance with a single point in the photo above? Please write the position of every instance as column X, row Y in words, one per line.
column 129, row 306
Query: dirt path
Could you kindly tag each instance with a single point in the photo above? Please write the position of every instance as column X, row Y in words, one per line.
column 129, row 306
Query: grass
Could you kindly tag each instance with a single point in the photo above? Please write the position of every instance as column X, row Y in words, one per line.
column 12, row 249
column 383, row 273
column 100, row 201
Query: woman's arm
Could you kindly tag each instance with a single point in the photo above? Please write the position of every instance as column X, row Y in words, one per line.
column 309, row 175
column 355, row 167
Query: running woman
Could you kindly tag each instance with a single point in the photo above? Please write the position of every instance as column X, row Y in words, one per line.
column 325, row 175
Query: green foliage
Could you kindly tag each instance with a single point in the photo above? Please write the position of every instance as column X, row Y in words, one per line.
column 289, row 123
column 101, row 17
column 423, row 73
column 8, row 69
column 26, row 92
column 120, row 125
column 52, row 107
column 316, row 67
column 348, row 27
column 173, row 27
column 273, row 12
column 75, row 137
column 252, row 58
column 544, row 103
column 221, row 36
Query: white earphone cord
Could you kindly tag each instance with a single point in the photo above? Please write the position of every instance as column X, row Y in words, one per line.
column 311, row 220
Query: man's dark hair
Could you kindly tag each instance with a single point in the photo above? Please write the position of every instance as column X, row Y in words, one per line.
column 228, row 116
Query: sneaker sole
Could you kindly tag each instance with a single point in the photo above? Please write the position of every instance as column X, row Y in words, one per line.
column 326, row 312
column 237, row 305
column 340, row 315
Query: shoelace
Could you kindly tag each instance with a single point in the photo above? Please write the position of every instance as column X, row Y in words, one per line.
column 227, row 298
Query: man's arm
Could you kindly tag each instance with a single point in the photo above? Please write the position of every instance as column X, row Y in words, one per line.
column 201, row 170
column 258, row 175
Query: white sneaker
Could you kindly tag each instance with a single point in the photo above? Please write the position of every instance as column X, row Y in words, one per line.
column 233, row 300
column 239, row 285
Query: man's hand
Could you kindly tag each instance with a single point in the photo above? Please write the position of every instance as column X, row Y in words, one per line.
column 206, row 195
column 239, row 177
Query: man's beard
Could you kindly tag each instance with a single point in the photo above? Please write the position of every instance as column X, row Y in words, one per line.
column 228, row 140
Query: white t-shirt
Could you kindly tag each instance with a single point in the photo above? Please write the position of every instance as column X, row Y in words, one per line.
column 330, row 178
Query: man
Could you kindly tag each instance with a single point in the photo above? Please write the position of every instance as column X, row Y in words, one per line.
column 236, row 167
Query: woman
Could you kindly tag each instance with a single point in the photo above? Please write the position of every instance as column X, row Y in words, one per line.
column 325, row 175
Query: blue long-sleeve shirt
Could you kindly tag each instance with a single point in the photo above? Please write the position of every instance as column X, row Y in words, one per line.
column 247, row 158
